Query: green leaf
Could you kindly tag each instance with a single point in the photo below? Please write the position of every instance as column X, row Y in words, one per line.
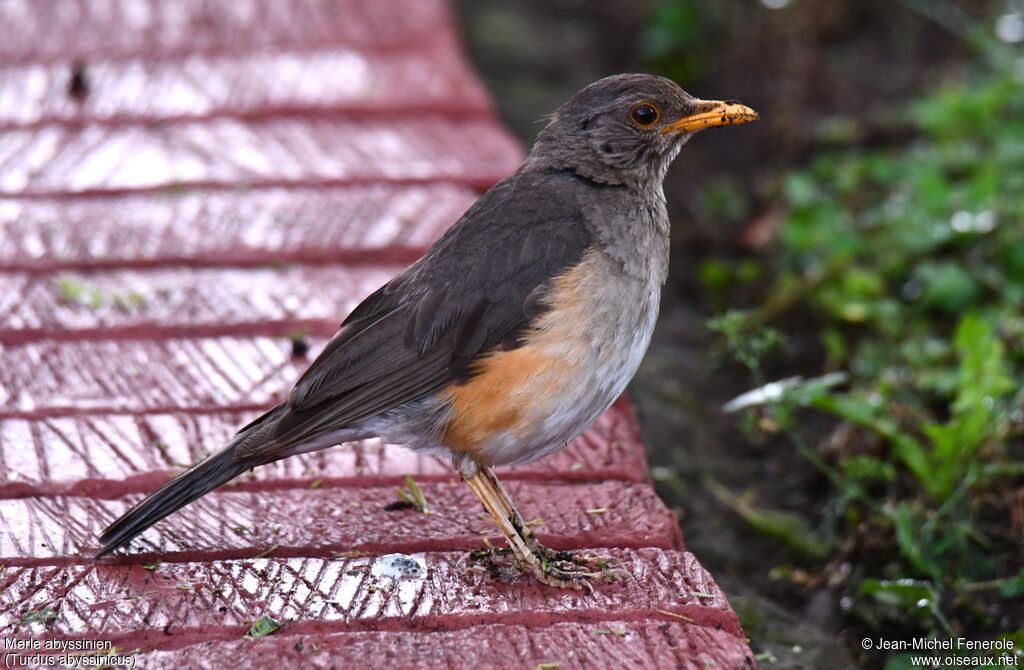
column 1012, row 587
column 788, row 528
column 801, row 190
column 868, row 468
column 983, row 383
column 946, row 286
column 861, row 412
column 918, row 599
column 130, row 301
column 263, row 627
column 747, row 345
column 1016, row 636
column 907, row 527
column 76, row 290
column 1012, row 257
column 37, row 616
column 70, row 287
column 983, row 375
column 906, row 593
column 714, row 273
column 414, row 496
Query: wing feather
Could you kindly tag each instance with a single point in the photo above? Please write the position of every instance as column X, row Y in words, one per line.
column 477, row 288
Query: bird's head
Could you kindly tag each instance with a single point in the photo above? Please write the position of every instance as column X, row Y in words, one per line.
column 627, row 129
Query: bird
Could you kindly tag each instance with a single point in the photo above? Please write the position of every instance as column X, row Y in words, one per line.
column 521, row 325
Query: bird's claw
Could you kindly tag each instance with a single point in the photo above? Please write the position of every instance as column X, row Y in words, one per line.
column 571, row 561
column 561, row 569
column 566, row 579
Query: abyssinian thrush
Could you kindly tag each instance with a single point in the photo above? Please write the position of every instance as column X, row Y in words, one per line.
column 509, row 337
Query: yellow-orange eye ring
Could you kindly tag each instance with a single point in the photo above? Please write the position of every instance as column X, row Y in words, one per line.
column 644, row 114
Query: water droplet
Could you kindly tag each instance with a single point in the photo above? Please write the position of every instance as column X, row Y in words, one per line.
column 961, row 221
column 985, row 221
column 911, row 290
column 1010, row 28
column 965, row 222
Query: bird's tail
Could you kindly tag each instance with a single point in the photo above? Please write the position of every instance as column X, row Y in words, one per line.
column 195, row 482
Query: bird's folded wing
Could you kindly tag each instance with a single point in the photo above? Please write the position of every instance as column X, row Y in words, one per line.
column 478, row 288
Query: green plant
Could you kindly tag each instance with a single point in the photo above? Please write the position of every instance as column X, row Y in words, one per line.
column 906, row 265
column 673, row 41
column 413, row 496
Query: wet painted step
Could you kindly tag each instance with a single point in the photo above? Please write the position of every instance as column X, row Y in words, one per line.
column 371, row 224
column 51, row 377
column 136, row 607
column 111, row 455
column 573, row 646
column 234, row 524
column 58, row 159
column 432, row 79
column 160, row 303
column 185, row 187
column 88, row 29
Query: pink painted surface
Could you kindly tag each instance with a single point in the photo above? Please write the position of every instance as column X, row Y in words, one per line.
column 45, row 377
column 129, row 303
column 629, row 644
column 232, row 523
column 324, row 150
column 87, row 29
column 432, row 80
column 231, row 179
column 358, row 225
column 208, row 599
column 95, row 454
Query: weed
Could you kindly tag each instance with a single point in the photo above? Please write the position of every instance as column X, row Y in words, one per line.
column 906, row 265
column 411, row 495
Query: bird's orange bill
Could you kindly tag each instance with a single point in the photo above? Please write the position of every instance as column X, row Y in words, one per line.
column 712, row 113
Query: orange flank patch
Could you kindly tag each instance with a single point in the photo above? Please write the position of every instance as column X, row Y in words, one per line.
column 517, row 390
column 495, row 398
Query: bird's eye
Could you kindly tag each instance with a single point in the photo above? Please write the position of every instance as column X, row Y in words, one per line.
column 644, row 114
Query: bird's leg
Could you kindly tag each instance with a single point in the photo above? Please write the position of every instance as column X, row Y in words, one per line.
column 546, row 565
column 551, row 555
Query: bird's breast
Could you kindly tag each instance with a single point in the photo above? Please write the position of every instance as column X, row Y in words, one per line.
column 575, row 360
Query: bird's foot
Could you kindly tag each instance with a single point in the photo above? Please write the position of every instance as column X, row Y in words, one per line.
column 592, row 561
column 495, row 562
column 566, row 569
column 561, row 569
